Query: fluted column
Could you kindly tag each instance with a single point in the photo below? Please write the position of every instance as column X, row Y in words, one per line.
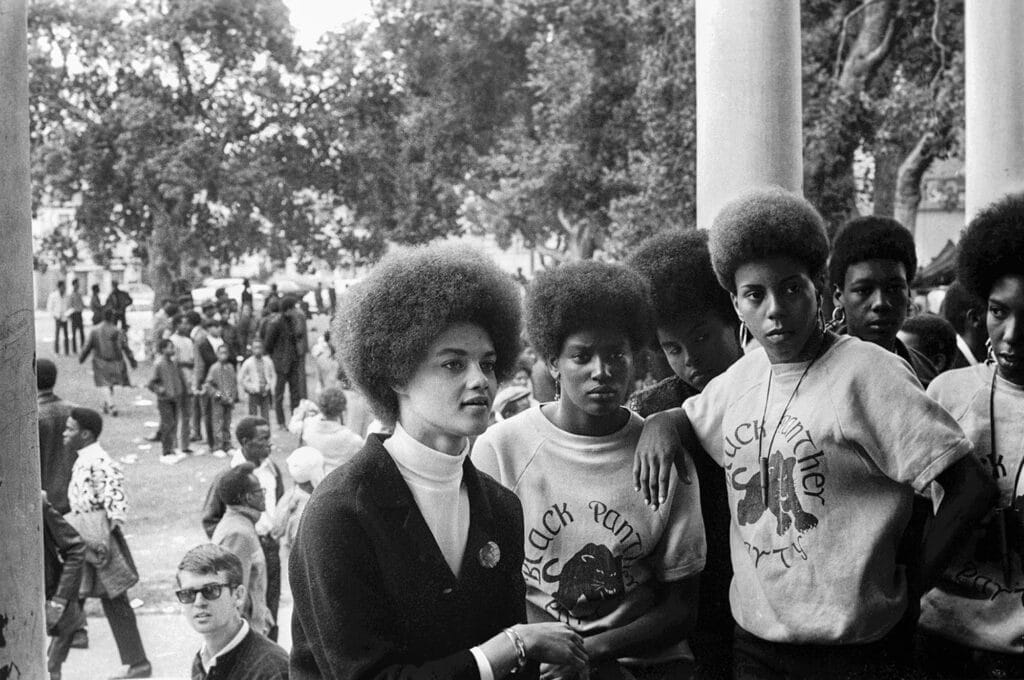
column 748, row 99
column 22, row 626
column 994, row 70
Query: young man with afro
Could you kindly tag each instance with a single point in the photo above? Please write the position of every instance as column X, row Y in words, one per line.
column 697, row 329
column 973, row 621
column 932, row 336
column 967, row 314
column 622, row 576
column 871, row 266
column 408, row 562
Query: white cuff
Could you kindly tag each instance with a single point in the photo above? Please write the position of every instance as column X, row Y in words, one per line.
column 482, row 664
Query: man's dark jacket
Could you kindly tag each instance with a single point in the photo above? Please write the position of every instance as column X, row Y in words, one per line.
column 374, row 596
column 279, row 343
column 55, row 461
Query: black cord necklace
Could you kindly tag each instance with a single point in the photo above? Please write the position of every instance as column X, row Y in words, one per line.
column 993, row 459
column 762, row 460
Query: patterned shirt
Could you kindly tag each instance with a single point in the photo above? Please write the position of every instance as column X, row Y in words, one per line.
column 97, row 483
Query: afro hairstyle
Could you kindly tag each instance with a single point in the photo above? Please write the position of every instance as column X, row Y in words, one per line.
column 764, row 223
column 586, row 294
column 992, row 246
column 871, row 238
column 677, row 266
column 46, row 374
column 387, row 322
column 936, row 335
column 957, row 303
column 233, row 485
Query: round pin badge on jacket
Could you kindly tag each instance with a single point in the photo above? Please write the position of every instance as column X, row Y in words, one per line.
column 489, row 555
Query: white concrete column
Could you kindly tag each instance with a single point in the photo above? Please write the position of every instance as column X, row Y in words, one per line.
column 994, row 70
column 748, row 99
column 22, row 624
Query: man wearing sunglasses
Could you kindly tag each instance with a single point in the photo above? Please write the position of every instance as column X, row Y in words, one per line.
column 212, row 595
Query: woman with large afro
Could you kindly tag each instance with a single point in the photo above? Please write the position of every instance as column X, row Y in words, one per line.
column 871, row 266
column 596, row 555
column 973, row 621
column 821, row 468
column 408, row 561
column 697, row 329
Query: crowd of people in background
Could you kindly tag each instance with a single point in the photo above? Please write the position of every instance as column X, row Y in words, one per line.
column 742, row 452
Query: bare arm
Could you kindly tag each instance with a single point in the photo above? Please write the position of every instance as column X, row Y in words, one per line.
column 969, row 493
column 670, row 619
column 665, row 441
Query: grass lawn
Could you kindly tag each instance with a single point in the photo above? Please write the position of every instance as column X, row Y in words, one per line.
column 164, row 502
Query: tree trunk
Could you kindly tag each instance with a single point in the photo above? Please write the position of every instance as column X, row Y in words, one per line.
column 883, row 191
column 908, row 182
column 828, row 167
column 165, row 259
column 872, row 44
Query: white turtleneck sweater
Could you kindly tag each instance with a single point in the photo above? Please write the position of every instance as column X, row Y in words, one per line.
column 435, row 480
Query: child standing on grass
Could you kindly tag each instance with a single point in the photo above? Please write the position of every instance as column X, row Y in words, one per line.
column 221, row 388
column 255, row 377
column 168, row 384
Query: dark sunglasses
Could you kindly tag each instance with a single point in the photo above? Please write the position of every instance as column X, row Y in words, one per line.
column 211, row 591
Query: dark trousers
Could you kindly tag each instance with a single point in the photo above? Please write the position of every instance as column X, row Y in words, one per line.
column 60, row 642
column 121, row 618
column 941, row 658
column 292, row 379
column 77, row 331
column 259, row 405
column 168, row 410
column 221, row 418
column 202, row 416
column 60, row 326
column 272, row 553
column 885, row 659
column 185, row 414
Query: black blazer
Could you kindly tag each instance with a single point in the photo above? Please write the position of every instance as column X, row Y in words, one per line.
column 374, row 597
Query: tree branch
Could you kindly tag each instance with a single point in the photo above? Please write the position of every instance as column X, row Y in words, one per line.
column 842, row 34
column 908, row 180
column 936, row 15
column 873, row 43
column 179, row 61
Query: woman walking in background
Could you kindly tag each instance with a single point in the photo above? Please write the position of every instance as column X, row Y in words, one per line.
column 110, row 352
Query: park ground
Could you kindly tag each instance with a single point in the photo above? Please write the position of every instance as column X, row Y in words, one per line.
column 165, row 503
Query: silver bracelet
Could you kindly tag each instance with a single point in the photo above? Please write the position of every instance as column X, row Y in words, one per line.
column 520, row 647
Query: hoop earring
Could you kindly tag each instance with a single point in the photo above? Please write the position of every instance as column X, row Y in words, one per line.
column 838, row 318
column 744, row 334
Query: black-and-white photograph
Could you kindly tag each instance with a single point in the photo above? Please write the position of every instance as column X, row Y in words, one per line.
column 512, row 339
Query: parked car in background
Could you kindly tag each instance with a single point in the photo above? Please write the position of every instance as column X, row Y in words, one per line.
column 233, row 287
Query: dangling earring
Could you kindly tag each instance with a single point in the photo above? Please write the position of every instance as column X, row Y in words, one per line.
column 744, row 333
column 838, row 319
column 558, row 387
column 990, row 354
